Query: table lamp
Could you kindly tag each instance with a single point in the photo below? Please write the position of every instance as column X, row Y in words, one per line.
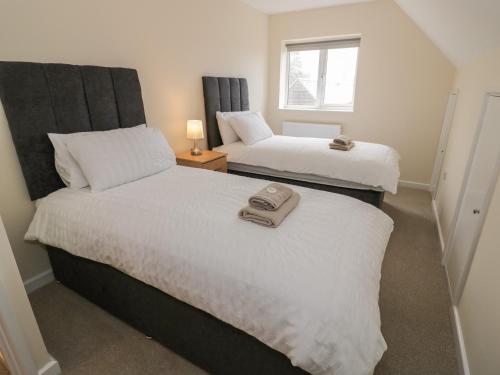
column 195, row 132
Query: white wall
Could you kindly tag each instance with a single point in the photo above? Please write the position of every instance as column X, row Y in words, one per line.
column 171, row 43
column 402, row 86
column 479, row 307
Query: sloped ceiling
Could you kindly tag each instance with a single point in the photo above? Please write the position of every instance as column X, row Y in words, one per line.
column 462, row 29
column 281, row 6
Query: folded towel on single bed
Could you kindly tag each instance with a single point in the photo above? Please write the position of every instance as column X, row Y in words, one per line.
column 270, row 218
column 271, row 197
column 342, row 140
column 338, row 146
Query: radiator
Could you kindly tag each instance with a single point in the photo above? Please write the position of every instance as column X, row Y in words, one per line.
column 304, row 129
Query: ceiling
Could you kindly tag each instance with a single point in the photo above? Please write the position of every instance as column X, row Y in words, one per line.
column 281, row 6
column 462, row 29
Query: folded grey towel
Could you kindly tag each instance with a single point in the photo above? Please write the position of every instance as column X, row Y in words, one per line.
column 271, row 197
column 336, row 146
column 342, row 140
column 270, row 218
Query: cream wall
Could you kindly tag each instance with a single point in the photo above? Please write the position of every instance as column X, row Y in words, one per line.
column 402, row 83
column 171, row 44
column 480, row 303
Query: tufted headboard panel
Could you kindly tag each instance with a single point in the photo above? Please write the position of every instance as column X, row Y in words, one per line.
column 225, row 95
column 61, row 98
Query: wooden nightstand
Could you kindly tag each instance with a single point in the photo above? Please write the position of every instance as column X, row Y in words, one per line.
column 213, row 160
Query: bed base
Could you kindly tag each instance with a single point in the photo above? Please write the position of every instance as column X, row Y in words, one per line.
column 204, row 340
column 372, row 197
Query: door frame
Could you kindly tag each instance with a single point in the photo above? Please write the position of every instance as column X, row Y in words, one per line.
column 20, row 338
column 12, row 342
column 489, row 195
column 443, row 142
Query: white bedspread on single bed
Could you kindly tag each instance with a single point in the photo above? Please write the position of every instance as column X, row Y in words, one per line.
column 367, row 163
column 308, row 289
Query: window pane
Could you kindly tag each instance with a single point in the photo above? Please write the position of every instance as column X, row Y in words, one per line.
column 340, row 76
column 303, row 77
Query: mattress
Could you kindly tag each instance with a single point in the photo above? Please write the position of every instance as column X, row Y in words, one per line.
column 369, row 165
column 308, row 288
column 307, row 177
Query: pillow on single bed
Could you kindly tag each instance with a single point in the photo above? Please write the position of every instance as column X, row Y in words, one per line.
column 66, row 166
column 251, row 127
column 115, row 157
column 227, row 133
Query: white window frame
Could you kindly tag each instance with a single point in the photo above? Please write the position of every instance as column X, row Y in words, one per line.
column 322, row 68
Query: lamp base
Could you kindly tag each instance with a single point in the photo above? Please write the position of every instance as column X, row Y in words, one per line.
column 195, row 151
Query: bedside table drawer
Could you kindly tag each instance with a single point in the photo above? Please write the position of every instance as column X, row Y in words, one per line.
column 219, row 165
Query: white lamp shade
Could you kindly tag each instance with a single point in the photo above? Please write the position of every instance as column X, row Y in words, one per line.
column 194, row 129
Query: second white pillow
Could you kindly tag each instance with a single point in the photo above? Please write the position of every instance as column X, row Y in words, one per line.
column 251, row 127
column 227, row 133
column 112, row 158
column 67, row 167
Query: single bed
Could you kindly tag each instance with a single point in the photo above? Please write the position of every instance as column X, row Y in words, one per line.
column 235, row 298
column 366, row 172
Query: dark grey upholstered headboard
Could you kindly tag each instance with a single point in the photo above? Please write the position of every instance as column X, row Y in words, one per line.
column 225, row 95
column 60, row 98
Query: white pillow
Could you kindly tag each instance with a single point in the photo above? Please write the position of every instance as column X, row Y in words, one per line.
column 227, row 133
column 115, row 157
column 66, row 166
column 251, row 127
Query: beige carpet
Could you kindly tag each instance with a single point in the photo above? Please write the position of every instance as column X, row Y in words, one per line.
column 414, row 303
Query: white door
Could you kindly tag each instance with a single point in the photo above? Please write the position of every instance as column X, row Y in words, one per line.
column 479, row 182
column 443, row 141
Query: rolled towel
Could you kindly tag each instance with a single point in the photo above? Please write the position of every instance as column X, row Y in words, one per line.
column 271, row 197
column 342, row 140
column 268, row 218
column 336, row 146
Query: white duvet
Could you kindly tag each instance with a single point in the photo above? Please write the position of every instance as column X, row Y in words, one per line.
column 308, row 289
column 367, row 163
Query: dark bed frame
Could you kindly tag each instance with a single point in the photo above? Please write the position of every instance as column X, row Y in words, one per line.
column 192, row 333
column 230, row 95
column 43, row 98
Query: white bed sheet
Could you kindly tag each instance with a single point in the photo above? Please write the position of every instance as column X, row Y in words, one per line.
column 367, row 163
column 308, row 289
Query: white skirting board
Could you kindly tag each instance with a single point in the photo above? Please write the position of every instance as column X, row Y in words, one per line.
column 50, row 368
column 438, row 224
column 414, row 185
column 463, row 363
column 37, row 281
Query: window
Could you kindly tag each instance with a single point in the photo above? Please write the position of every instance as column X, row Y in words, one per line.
column 321, row 75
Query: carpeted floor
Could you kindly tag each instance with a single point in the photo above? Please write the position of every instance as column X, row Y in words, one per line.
column 414, row 299
column 414, row 304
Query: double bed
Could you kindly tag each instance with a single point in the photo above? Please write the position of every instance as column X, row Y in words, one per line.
column 168, row 254
column 366, row 172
